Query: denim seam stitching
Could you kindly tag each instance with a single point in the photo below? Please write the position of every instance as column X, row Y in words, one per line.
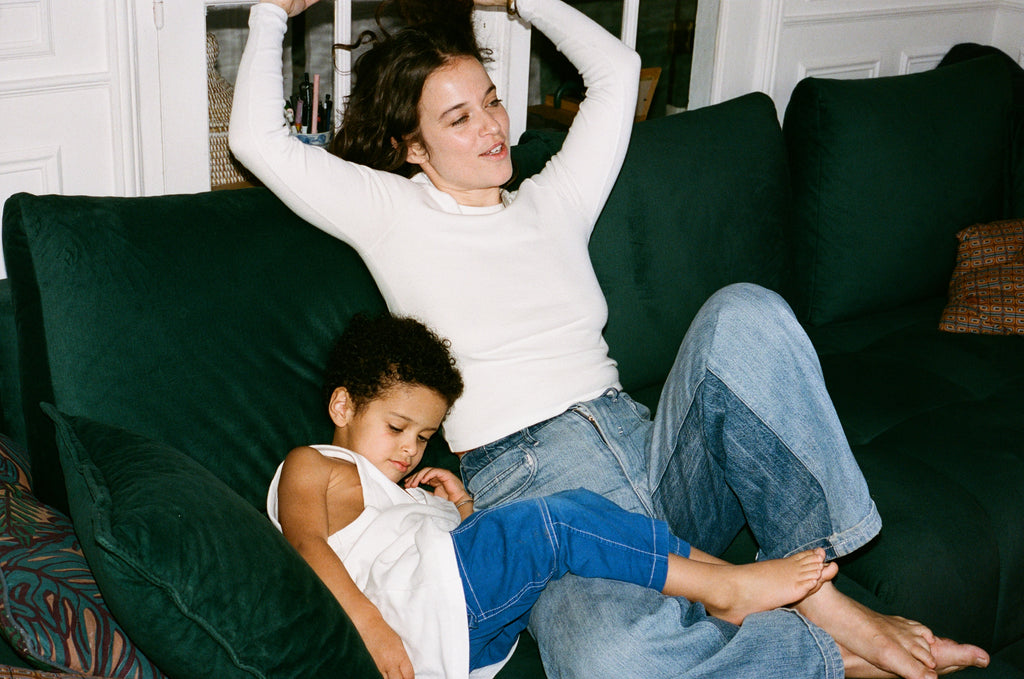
column 789, row 449
column 580, row 410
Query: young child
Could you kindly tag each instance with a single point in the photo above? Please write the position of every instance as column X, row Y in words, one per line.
column 411, row 566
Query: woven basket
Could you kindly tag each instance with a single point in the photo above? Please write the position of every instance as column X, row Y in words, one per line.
column 225, row 170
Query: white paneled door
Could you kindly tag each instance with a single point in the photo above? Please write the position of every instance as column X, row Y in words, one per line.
column 68, row 119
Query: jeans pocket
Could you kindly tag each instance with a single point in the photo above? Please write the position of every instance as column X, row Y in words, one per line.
column 642, row 412
column 504, row 478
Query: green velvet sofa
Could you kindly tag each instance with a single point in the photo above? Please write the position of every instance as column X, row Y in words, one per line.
column 178, row 342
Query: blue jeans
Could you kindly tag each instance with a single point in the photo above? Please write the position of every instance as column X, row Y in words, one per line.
column 744, row 433
column 508, row 554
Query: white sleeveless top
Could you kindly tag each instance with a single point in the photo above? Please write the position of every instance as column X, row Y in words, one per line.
column 399, row 553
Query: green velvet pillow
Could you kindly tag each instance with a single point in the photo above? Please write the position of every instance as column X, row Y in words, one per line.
column 885, row 172
column 199, row 579
column 51, row 611
column 203, row 321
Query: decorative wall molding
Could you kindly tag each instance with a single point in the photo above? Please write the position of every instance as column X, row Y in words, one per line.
column 37, row 170
column 917, row 60
column 850, row 68
column 901, row 11
column 71, row 83
column 26, row 29
column 125, row 95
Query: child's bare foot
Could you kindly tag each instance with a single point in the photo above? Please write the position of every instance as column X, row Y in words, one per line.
column 876, row 645
column 732, row 592
column 764, row 585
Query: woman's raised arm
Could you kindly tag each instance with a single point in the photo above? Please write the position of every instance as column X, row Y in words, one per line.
column 348, row 201
column 588, row 164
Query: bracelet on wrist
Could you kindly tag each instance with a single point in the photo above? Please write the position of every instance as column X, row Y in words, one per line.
column 467, row 501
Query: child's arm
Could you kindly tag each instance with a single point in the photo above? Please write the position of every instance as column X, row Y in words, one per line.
column 447, row 486
column 304, row 515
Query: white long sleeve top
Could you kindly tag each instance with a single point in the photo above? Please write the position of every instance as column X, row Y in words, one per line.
column 512, row 287
column 400, row 554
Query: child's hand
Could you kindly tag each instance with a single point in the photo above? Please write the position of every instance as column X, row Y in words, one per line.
column 447, row 485
column 387, row 651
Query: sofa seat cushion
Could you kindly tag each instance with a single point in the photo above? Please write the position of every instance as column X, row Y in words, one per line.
column 890, row 366
column 936, row 422
column 885, row 172
column 199, row 578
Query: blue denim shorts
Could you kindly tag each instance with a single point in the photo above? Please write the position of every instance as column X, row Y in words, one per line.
column 507, row 555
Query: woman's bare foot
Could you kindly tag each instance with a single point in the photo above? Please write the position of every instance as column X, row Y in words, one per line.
column 953, row 657
column 876, row 645
column 732, row 592
column 949, row 657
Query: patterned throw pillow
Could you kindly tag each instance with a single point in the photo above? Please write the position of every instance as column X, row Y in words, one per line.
column 52, row 612
column 986, row 292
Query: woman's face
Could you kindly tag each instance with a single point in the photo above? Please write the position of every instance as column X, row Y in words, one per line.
column 463, row 145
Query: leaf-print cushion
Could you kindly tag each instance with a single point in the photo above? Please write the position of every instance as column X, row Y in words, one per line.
column 51, row 611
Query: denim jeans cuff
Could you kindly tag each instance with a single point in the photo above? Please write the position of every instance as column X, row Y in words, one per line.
column 855, row 537
column 662, row 548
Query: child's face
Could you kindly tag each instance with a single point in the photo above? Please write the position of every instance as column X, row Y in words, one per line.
column 392, row 431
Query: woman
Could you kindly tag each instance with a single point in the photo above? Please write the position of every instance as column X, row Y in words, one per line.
column 744, row 431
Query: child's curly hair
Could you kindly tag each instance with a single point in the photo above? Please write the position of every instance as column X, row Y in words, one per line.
column 376, row 353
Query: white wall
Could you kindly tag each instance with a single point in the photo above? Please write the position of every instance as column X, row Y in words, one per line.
column 770, row 45
column 1009, row 29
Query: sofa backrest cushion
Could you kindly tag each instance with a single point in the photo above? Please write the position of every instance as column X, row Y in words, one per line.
column 13, row 420
column 701, row 202
column 202, row 321
column 965, row 51
column 885, row 172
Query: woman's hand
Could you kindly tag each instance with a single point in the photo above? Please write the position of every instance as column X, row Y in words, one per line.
column 293, row 7
column 447, row 486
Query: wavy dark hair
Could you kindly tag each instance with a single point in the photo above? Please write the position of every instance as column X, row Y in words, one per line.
column 382, row 112
column 375, row 353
